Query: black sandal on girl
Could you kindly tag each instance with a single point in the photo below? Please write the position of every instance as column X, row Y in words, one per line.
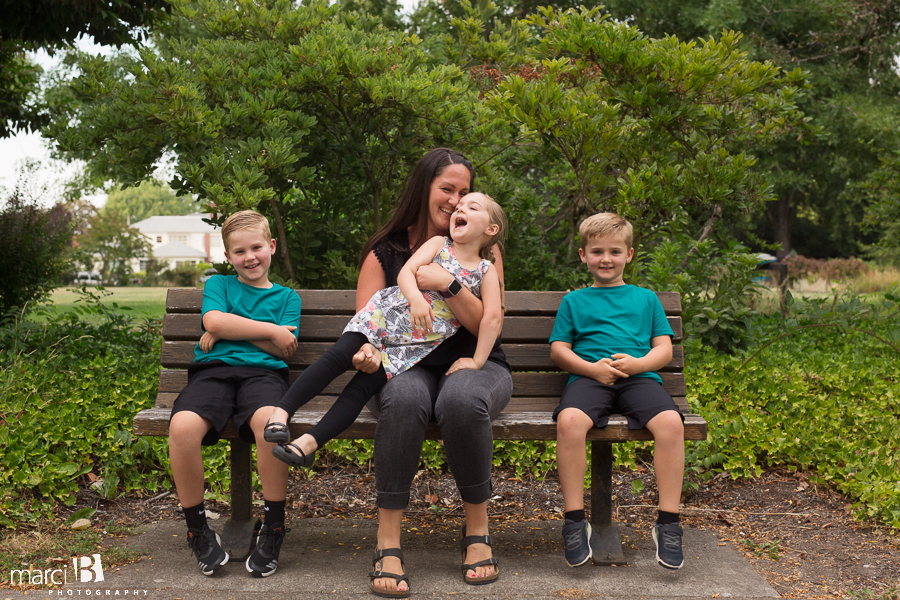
column 464, row 544
column 378, row 573
column 285, row 455
column 276, row 432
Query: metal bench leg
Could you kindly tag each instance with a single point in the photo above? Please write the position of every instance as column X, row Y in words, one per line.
column 606, row 541
column 239, row 529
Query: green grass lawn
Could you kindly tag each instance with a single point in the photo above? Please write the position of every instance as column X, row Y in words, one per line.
column 135, row 301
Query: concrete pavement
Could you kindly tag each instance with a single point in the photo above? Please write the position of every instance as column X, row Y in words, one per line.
column 330, row 558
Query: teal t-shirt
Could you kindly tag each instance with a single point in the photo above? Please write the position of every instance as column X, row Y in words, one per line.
column 276, row 304
column 602, row 321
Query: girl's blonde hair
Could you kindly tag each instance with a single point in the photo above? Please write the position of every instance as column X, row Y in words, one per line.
column 497, row 217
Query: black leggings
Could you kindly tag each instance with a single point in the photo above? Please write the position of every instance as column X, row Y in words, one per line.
column 336, row 360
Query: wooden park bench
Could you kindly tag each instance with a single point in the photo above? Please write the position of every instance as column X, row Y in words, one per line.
column 537, row 385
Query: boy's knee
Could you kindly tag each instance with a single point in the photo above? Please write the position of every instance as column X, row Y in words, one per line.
column 572, row 422
column 668, row 426
column 187, row 428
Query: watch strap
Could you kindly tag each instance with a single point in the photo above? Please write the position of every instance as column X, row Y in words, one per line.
column 453, row 289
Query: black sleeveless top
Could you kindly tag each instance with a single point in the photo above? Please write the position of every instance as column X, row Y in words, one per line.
column 393, row 252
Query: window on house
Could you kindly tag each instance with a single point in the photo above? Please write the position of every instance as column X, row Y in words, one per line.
column 159, row 239
column 178, row 237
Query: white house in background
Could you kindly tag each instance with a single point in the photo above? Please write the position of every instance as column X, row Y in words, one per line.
column 181, row 240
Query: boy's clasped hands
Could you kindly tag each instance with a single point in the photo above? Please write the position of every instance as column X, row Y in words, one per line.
column 620, row 365
column 282, row 337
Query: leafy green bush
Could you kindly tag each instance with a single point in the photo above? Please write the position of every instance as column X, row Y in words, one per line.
column 68, row 393
column 182, row 276
column 716, row 285
column 33, row 250
column 826, row 399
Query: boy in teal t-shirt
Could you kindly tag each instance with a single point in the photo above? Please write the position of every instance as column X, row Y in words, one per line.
column 249, row 330
column 612, row 338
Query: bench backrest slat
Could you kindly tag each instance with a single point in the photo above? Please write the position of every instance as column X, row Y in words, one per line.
column 322, row 328
column 343, row 302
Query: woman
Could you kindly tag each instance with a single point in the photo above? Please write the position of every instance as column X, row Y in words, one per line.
column 462, row 404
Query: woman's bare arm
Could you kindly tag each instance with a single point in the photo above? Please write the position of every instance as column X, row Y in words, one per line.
column 371, row 279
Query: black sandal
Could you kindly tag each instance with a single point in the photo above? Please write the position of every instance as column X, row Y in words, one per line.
column 282, row 453
column 464, row 544
column 378, row 573
column 276, row 432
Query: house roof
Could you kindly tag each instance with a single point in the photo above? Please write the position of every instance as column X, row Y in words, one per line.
column 175, row 224
column 177, row 250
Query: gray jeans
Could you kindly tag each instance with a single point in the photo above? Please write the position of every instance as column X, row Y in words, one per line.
column 463, row 406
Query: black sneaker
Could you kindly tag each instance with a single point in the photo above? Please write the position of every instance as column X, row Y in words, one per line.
column 264, row 559
column 577, row 536
column 207, row 547
column 668, row 553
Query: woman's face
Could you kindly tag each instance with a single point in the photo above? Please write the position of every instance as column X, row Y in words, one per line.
column 446, row 191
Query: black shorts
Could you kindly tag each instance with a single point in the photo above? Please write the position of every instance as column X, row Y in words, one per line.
column 638, row 399
column 218, row 391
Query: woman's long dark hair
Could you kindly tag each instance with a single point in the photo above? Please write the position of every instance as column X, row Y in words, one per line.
column 412, row 206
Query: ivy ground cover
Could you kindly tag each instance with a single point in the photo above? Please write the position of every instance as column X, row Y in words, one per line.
column 826, row 400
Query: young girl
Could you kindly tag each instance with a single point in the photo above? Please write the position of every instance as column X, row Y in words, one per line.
column 406, row 324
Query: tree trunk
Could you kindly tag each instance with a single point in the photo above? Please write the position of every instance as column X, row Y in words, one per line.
column 282, row 240
column 778, row 213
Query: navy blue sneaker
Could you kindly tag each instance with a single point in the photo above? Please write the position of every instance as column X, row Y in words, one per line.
column 577, row 537
column 668, row 545
column 264, row 559
column 207, row 547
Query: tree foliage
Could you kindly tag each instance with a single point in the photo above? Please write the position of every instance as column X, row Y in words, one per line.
column 646, row 127
column 315, row 115
column 882, row 213
column 847, row 49
column 34, row 249
column 663, row 132
column 31, row 24
column 310, row 114
column 150, row 198
column 108, row 245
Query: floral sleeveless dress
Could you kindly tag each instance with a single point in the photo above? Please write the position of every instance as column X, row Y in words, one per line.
column 385, row 318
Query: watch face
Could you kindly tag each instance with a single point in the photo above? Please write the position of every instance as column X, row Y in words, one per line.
column 455, row 287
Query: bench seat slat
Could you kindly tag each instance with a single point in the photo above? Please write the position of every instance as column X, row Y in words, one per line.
column 513, row 426
column 165, row 400
column 521, row 357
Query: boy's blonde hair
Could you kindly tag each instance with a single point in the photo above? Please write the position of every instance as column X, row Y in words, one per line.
column 245, row 219
column 497, row 217
column 605, row 224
